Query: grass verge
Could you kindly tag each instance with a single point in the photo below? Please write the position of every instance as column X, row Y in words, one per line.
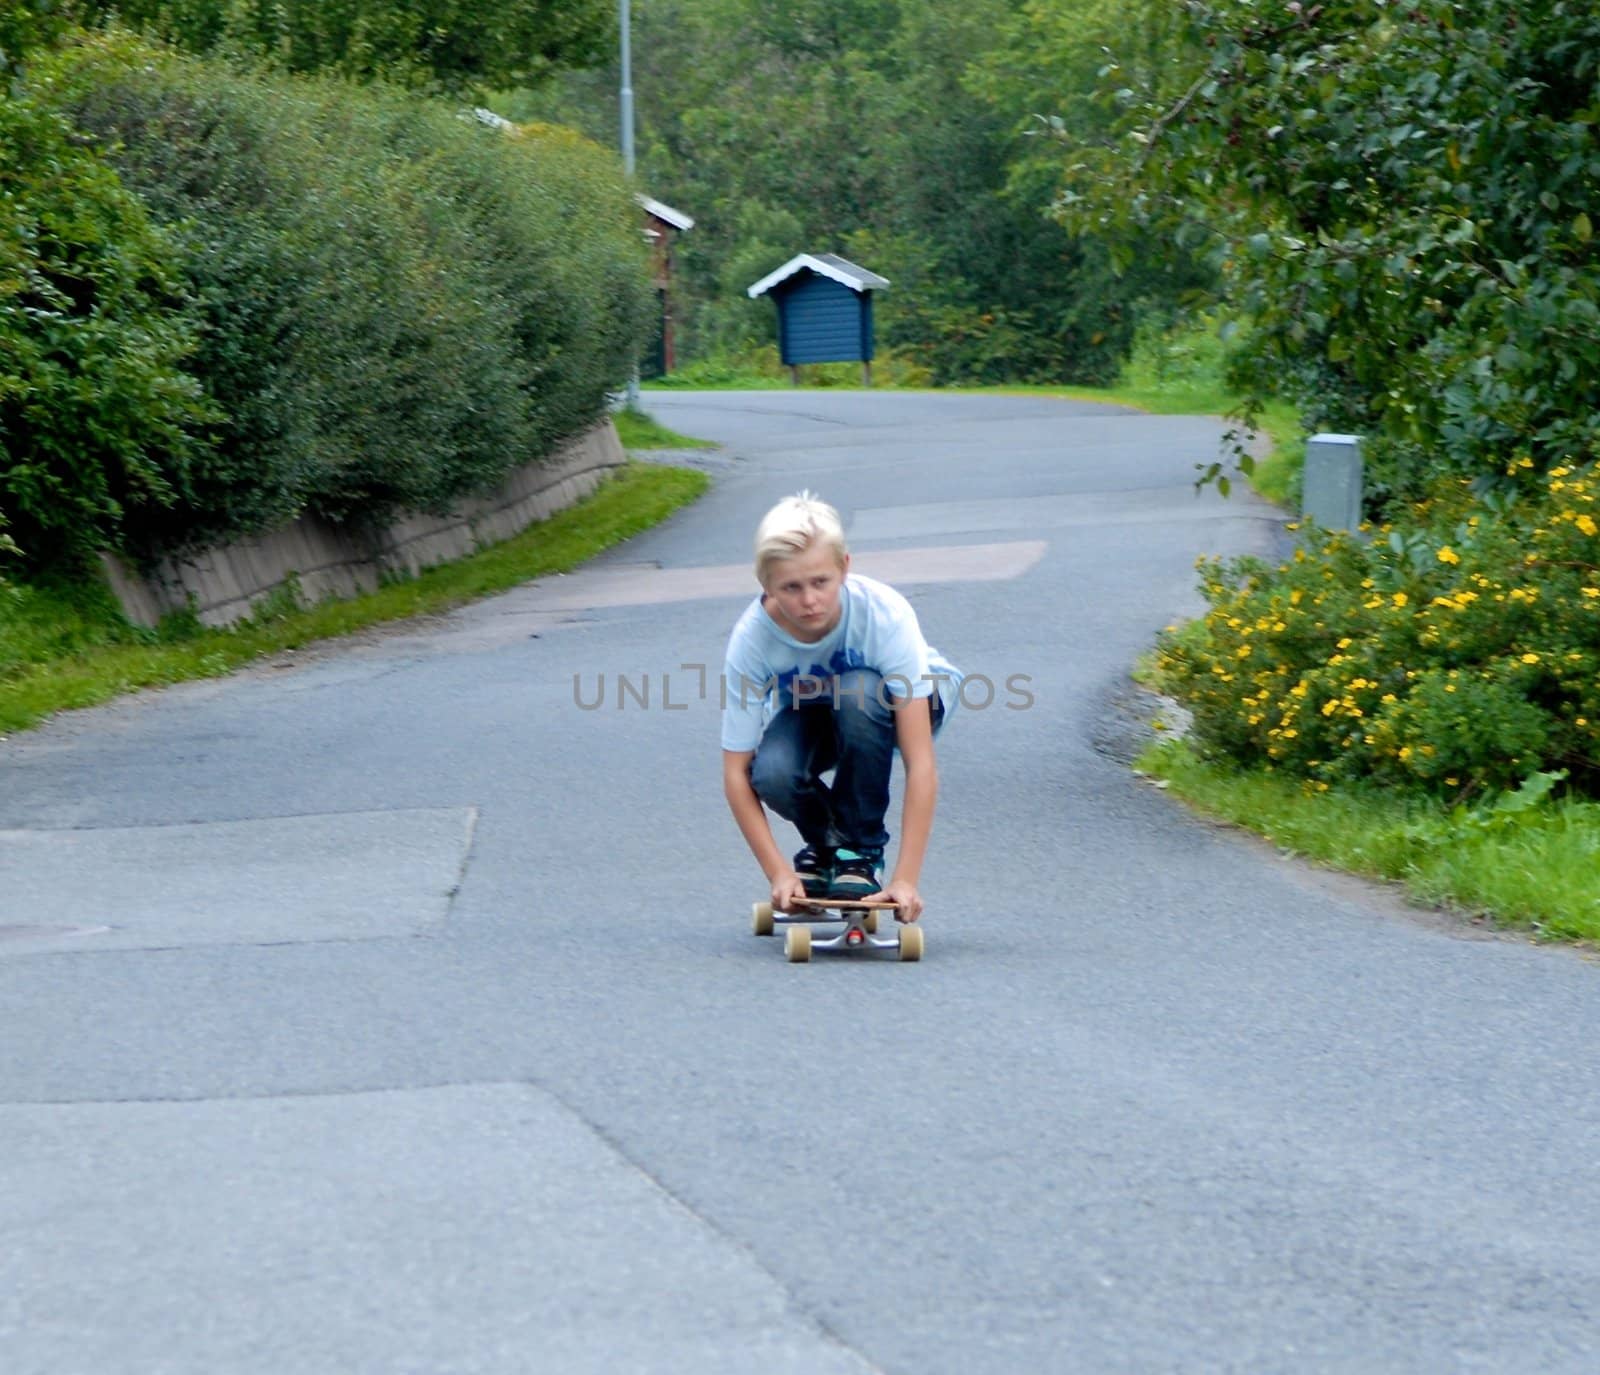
column 637, row 430
column 1520, row 860
column 65, row 644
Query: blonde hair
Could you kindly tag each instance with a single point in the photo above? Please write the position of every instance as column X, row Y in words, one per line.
column 792, row 527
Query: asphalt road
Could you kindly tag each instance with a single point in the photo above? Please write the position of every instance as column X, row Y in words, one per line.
column 393, row 1007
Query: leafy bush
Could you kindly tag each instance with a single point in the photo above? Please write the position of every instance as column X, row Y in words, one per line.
column 1184, row 353
column 1050, row 326
column 97, row 416
column 1459, row 656
column 398, row 304
column 1400, row 199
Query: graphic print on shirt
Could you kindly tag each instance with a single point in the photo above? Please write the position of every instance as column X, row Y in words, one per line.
column 844, row 660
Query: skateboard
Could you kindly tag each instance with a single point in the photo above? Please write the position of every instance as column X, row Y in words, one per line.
column 860, row 933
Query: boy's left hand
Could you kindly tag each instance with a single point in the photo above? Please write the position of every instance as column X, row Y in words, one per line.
column 905, row 893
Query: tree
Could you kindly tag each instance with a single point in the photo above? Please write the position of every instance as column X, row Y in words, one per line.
column 1398, row 198
column 452, row 44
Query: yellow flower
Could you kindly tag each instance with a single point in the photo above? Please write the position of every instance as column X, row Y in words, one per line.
column 1400, row 599
column 1530, row 658
column 1586, row 523
column 1448, row 555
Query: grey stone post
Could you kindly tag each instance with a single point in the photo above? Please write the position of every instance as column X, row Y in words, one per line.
column 1331, row 493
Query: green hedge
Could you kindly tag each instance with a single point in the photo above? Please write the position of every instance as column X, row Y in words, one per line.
column 96, row 413
column 396, row 305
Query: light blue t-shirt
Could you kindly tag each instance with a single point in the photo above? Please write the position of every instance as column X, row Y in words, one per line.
column 877, row 630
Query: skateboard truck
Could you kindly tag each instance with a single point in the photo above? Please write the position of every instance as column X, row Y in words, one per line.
column 860, row 918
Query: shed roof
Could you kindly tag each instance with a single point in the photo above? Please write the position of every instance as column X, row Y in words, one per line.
column 676, row 218
column 831, row 265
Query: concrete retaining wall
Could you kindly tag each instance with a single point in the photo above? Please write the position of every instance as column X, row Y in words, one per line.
column 224, row 583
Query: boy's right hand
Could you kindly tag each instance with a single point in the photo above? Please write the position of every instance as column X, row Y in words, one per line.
column 787, row 891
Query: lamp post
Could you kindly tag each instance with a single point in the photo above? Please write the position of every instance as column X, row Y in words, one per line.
column 625, row 118
column 625, row 23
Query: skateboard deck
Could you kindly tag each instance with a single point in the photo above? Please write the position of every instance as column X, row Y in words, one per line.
column 860, row 928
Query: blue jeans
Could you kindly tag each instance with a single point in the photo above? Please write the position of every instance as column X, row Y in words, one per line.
column 848, row 728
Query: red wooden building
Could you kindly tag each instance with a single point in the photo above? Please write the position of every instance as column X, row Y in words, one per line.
column 663, row 224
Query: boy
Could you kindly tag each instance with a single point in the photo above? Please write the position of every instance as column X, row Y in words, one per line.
column 828, row 670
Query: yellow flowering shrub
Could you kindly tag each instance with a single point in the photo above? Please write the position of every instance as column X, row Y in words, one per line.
column 1458, row 655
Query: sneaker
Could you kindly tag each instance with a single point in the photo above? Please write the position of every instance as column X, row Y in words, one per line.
column 855, row 875
column 814, row 868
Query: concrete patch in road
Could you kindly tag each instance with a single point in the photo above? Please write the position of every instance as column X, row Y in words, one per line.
column 481, row 1229
column 950, row 563
column 647, row 585
column 349, row 876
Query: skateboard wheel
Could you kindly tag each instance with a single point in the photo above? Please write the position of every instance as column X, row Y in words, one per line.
column 797, row 944
column 761, row 918
column 869, row 923
column 910, row 943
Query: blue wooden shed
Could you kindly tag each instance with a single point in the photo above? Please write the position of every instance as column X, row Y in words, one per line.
column 824, row 311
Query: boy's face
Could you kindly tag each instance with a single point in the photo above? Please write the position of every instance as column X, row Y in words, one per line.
column 803, row 592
